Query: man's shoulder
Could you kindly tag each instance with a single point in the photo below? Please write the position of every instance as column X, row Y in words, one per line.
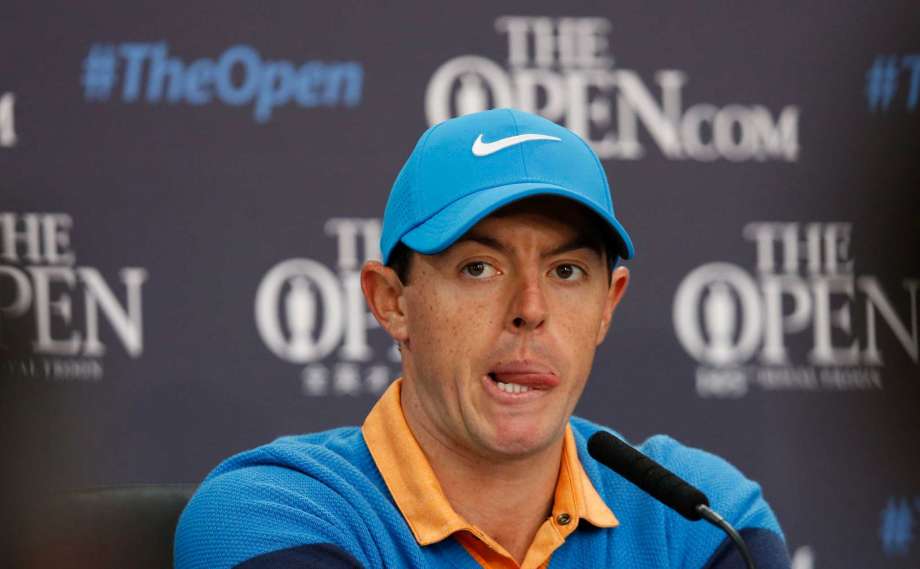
column 696, row 466
column 329, row 462
column 737, row 498
column 296, row 490
column 300, row 453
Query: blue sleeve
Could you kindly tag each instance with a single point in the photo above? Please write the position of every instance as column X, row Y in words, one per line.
column 268, row 516
column 313, row 556
column 766, row 548
column 740, row 501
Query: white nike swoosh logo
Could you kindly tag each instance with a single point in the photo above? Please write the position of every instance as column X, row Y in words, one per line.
column 481, row 148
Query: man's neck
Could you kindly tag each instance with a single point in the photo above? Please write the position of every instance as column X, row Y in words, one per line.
column 507, row 499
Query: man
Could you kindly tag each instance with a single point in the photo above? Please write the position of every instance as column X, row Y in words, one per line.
column 498, row 282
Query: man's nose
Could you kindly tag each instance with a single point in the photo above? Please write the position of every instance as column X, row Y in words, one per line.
column 528, row 308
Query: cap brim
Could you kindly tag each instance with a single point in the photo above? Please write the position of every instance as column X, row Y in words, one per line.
column 443, row 228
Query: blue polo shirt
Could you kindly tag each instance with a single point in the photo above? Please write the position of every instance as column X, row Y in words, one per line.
column 367, row 497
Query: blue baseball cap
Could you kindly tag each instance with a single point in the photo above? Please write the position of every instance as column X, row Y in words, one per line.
column 465, row 168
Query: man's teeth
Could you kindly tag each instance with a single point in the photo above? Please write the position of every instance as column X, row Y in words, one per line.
column 512, row 387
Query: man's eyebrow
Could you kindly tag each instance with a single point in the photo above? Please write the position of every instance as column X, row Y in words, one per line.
column 579, row 242
column 484, row 240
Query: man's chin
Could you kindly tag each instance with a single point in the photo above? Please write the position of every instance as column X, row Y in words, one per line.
column 518, row 439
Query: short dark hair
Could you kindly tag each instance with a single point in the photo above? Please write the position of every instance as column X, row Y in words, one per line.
column 593, row 231
column 401, row 261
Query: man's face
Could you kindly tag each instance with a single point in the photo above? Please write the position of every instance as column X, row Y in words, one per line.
column 502, row 328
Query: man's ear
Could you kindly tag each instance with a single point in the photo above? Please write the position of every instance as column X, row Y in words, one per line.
column 384, row 294
column 619, row 280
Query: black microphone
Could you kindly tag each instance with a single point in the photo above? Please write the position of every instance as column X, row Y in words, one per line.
column 648, row 475
column 660, row 483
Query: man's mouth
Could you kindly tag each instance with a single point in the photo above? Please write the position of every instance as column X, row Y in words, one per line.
column 518, row 377
column 509, row 387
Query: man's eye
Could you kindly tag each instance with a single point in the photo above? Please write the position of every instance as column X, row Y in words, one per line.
column 568, row 272
column 479, row 269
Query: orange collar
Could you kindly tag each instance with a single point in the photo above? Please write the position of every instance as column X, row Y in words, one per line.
column 422, row 502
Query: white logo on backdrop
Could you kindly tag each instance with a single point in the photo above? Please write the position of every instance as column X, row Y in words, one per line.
column 803, row 557
column 44, row 293
column 805, row 283
column 562, row 69
column 7, row 120
column 313, row 315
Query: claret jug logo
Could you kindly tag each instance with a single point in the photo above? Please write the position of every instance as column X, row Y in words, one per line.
column 562, row 69
column 803, row 321
column 315, row 316
column 53, row 311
